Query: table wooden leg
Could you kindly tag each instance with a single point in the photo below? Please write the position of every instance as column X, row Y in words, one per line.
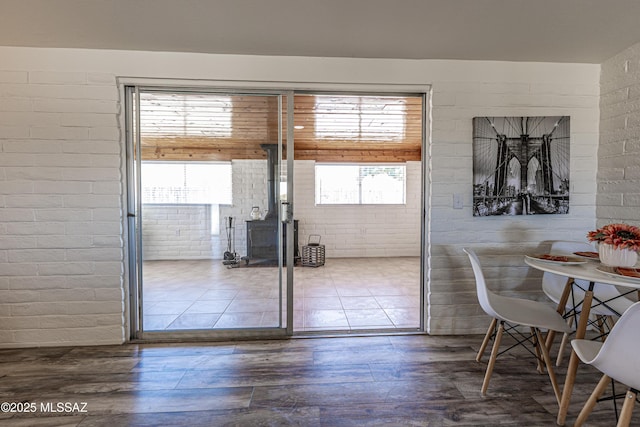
column 565, row 295
column 569, row 381
column 562, row 304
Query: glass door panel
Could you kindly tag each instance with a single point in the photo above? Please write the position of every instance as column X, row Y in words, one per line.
column 358, row 188
column 205, row 169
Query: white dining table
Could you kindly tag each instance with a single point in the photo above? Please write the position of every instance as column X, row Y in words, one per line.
column 588, row 271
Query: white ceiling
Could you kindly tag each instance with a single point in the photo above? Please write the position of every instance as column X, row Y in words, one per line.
column 582, row 31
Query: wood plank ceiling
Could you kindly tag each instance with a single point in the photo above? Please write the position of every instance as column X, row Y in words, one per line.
column 328, row 128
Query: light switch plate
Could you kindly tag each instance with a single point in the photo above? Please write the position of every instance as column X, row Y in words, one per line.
column 457, row 201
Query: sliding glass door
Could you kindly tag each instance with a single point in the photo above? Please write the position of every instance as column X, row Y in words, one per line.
column 207, row 208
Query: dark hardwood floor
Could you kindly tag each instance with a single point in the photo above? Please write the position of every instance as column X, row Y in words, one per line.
column 412, row 380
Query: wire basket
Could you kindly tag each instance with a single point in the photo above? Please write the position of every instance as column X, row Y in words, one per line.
column 313, row 252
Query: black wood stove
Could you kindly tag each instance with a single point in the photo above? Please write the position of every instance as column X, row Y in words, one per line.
column 262, row 235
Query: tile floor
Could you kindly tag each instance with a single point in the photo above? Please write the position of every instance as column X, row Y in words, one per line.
column 344, row 294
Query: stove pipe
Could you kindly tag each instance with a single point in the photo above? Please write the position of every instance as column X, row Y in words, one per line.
column 272, row 153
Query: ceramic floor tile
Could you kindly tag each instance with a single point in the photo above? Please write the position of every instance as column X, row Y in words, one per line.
column 322, row 303
column 404, row 317
column 298, row 319
column 258, row 292
column 212, row 306
column 194, row 321
column 320, row 291
column 325, row 319
column 353, row 291
column 196, row 287
column 181, row 293
column 371, row 318
column 389, row 290
column 386, row 301
column 359, row 303
column 270, row 319
column 248, row 305
column 168, row 307
column 215, row 294
column 239, row 320
column 158, row 322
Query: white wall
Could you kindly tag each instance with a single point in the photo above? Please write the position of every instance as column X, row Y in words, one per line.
column 184, row 231
column 178, row 232
column 61, row 250
column 359, row 231
column 61, row 207
column 619, row 151
column 499, row 241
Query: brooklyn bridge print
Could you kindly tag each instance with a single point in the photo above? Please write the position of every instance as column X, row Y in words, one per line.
column 520, row 165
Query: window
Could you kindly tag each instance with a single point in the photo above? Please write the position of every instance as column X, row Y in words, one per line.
column 360, row 184
column 186, row 183
column 371, row 118
column 175, row 114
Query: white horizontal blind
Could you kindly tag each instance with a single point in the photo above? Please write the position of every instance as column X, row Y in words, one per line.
column 367, row 118
column 175, row 114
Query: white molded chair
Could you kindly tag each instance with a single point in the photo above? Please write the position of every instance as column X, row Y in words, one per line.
column 607, row 300
column 512, row 312
column 618, row 358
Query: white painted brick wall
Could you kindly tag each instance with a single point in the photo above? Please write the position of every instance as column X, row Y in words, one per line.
column 45, row 83
column 500, row 242
column 178, row 232
column 249, row 189
column 52, row 210
column 618, row 197
column 184, row 232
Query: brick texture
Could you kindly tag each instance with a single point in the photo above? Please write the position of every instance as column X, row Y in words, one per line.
column 51, row 207
column 63, row 124
column 500, row 242
column 619, row 154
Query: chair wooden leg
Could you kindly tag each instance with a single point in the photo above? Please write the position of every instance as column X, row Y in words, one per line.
column 610, row 322
column 492, row 359
column 547, row 361
column 627, row 409
column 534, row 336
column 551, row 335
column 591, row 402
column 563, row 344
column 601, row 320
column 485, row 341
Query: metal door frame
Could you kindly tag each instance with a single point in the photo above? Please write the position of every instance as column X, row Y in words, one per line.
column 287, row 89
column 134, row 222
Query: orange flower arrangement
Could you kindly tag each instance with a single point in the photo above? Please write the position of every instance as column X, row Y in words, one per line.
column 621, row 236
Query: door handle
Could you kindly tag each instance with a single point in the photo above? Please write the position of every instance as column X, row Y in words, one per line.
column 286, row 214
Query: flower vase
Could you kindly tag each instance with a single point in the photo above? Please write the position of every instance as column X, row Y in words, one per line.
column 616, row 257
